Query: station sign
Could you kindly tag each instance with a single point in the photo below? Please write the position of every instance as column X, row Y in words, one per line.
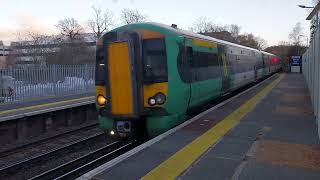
column 295, row 60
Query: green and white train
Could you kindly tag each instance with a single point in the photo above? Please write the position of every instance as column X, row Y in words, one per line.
column 149, row 75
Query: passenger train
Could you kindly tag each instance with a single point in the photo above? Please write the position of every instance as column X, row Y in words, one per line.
column 149, row 75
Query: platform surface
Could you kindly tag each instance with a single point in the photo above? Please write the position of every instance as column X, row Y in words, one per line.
column 266, row 133
column 20, row 108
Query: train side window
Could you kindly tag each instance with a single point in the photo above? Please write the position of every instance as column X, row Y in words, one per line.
column 184, row 63
column 205, row 66
column 100, row 71
column 189, row 52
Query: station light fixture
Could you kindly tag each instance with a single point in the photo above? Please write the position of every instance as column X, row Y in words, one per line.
column 303, row 6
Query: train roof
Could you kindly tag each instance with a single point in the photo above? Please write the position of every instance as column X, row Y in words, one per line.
column 199, row 36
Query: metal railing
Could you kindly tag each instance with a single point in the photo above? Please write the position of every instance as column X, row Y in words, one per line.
column 21, row 83
column 310, row 69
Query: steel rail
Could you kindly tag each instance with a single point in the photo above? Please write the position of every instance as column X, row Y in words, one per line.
column 77, row 167
column 9, row 151
column 45, row 156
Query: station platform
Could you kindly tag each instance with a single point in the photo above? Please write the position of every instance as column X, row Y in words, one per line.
column 29, row 107
column 267, row 132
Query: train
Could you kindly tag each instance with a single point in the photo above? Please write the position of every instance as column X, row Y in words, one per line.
column 150, row 75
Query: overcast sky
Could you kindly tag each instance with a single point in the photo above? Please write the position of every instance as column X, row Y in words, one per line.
column 272, row 20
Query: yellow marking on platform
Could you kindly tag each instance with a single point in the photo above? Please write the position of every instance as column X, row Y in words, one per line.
column 183, row 159
column 46, row 105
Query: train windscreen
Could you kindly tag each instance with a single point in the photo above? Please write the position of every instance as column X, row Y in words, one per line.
column 100, row 72
column 155, row 61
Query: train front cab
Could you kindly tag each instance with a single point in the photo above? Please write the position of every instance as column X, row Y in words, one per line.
column 131, row 81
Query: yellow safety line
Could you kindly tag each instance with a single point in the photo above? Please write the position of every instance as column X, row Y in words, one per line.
column 180, row 161
column 37, row 98
column 44, row 105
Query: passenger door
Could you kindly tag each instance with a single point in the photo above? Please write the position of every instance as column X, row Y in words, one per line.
column 192, row 75
column 226, row 81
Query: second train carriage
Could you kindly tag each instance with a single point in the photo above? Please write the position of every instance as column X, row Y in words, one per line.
column 148, row 75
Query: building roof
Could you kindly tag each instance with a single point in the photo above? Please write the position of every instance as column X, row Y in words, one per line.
column 315, row 10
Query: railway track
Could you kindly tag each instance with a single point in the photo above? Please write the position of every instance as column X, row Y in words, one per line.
column 87, row 162
column 23, row 146
column 29, row 167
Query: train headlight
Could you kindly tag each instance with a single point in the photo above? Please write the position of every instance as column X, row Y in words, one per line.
column 112, row 133
column 101, row 100
column 160, row 98
column 152, row 101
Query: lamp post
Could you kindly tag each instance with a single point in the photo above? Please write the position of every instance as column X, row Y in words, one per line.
column 305, row 7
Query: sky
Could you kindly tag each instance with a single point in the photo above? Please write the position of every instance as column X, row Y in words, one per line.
column 271, row 20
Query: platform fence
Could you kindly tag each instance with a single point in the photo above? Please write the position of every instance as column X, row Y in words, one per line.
column 311, row 71
column 18, row 83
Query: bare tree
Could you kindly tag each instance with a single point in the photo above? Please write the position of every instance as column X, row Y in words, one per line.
column 230, row 33
column 129, row 16
column 73, row 53
column 101, row 21
column 33, row 45
column 71, row 46
column 262, row 43
column 205, row 26
column 248, row 40
column 202, row 25
column 295, row 34
column 37, row 42
column 234, row 30
column 70, row 28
